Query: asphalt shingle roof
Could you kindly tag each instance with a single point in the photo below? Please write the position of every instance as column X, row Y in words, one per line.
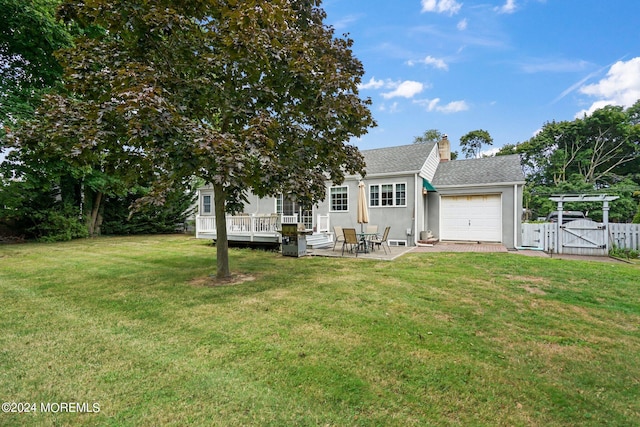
column 403, row 158
column 486, row 170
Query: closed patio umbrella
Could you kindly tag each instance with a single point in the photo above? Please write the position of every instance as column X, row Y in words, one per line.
column 362, row 212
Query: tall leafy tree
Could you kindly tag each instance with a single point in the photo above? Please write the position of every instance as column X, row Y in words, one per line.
column 433, row 135
column 250, row 96
column 595, row 153
column 599, row 148
column 430, row 135
column 471, row 143
column 29, row 34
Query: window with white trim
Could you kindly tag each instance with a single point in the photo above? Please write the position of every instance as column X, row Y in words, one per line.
column 388, row 195
column 206, row 204
column 339, row 197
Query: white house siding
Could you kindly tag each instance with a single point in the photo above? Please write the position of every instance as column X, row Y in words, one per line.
column 399, row 218
column 429, row 168
column 254, row 205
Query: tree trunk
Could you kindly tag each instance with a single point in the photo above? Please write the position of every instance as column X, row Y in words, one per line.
column 222, row 243
column 95, row 210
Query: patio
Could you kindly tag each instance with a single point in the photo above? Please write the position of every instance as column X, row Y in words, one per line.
column 397, row 251
column 378, row 254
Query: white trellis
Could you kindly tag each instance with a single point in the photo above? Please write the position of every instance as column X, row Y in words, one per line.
column 583, row 237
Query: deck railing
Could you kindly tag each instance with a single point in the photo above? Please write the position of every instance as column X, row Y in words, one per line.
column 245, row 224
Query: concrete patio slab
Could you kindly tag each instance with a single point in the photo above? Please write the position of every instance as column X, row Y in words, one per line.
column 378, row 254
column 451, row 247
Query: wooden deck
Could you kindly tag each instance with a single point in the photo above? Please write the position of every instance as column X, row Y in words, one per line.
column 244, row 228
column 260, row 229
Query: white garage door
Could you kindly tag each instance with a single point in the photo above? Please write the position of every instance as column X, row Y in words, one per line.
column 474, row 218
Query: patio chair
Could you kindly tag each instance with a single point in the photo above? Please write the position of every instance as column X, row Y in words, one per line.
column 372, row 229
column 350, row 240
column 339, row 237
column 383, row 240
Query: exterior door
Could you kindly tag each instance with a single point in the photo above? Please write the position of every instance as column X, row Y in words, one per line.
column 286, row 206
column 471, row 218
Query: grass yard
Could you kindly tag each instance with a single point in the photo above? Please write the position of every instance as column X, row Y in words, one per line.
column 429, row 339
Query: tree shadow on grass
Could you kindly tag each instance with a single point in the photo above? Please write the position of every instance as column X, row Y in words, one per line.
column 213, row 281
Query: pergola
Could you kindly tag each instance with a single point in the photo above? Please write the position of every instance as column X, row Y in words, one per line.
column 567, row 198
column 562, row 198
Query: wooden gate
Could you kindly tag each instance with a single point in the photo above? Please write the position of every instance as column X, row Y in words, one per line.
column 583, row 237
column 544, row 236
column 532, row 235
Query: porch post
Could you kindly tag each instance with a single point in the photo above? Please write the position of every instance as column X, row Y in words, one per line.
column 254, row 226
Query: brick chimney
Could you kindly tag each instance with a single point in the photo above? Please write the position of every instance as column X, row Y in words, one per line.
column 444, row 147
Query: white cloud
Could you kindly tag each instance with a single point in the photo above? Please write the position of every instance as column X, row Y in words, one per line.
column 393, row 108
column 441, row 6
column 437, row 63
column 621, row 86
column 371, row 84
column 554, row 66
column 453, row 107
column 462, row 25
column 430, row 60
column 430, row 104
column 578, row 85
column 508, row 7
column 405, row 89
column 346, row 21
column 434, row 105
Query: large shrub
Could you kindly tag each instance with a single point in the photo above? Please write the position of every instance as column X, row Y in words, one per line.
column 119, row 219
column 59, row 223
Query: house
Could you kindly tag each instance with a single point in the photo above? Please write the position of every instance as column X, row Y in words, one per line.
column 415, row 189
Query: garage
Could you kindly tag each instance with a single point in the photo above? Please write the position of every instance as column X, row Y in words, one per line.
column 471, row 218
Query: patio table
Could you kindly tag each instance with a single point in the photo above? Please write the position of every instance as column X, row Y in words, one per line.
column 365, row 239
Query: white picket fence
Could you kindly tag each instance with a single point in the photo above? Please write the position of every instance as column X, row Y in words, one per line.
column 544, row 236
column 539, row 236
column 625, row 236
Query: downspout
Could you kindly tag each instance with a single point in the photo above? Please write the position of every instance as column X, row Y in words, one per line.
column 424, row 217
column 415, row 211
column 515, row 215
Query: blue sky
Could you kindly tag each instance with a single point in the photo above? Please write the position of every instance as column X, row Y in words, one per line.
column 505, row 66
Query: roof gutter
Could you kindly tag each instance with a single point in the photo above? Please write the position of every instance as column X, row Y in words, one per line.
column 382, row 175
column 515, row 215
column 492, row 184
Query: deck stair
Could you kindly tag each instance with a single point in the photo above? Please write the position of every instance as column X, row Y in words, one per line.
column 320, row 240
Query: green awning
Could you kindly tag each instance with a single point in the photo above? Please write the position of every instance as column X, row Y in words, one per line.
column 427, row 185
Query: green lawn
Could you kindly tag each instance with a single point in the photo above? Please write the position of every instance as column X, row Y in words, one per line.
column 428, row 339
